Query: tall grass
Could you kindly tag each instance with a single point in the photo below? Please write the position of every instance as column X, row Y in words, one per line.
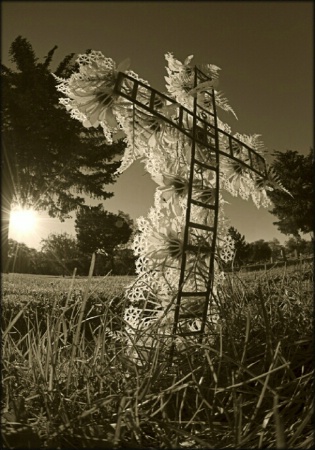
column 68, row 379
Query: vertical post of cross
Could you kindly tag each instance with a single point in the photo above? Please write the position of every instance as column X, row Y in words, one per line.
column 216, row 216
column 206, row 294
column 186, row 231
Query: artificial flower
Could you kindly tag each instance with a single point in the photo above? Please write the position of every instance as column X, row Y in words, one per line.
column 227, row 249
column 90, row 92
column 173, row 185
column 164, row 245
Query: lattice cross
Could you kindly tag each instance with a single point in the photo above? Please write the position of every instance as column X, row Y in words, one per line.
column 176, row 131
column 205, row 133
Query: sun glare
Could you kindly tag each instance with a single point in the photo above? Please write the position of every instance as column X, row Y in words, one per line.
column 23, row 221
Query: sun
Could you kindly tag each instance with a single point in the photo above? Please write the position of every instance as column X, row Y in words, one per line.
column 23, row 221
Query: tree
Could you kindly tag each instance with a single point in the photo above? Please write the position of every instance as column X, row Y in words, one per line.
column 101, row 231
column 276, row 248
column 298, row 246
column 295, row 172
column 259, row 251
column 48, row 160
column 241, row 246
column 21, row 258
column 124, row 261
column 62, row 254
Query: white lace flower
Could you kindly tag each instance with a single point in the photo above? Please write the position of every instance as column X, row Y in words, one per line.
column 180, row 84
column 173, row 185
column 227, row 249
column 90, row 92
column 165, row 245
column 253, row 141
column 180, row 79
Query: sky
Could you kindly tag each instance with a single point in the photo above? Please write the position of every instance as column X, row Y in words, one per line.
column 265, row 51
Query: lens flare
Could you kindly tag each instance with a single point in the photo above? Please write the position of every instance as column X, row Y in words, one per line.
column 23, row 221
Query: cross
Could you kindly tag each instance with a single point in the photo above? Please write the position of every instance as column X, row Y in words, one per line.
column 201, row 127
column 103, row 94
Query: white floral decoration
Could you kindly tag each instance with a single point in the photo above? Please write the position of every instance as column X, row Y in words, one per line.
column 91, row 98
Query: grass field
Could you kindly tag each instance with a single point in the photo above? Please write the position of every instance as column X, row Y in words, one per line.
column 67, row 380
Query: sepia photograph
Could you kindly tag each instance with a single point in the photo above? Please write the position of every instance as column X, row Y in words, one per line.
column 157, row 239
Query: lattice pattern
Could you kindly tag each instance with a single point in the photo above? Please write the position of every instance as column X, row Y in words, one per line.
column 191, row 155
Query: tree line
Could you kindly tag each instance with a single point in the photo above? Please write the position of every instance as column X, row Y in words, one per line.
column 61, row 254
column 262, row 251
column 97, row 231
